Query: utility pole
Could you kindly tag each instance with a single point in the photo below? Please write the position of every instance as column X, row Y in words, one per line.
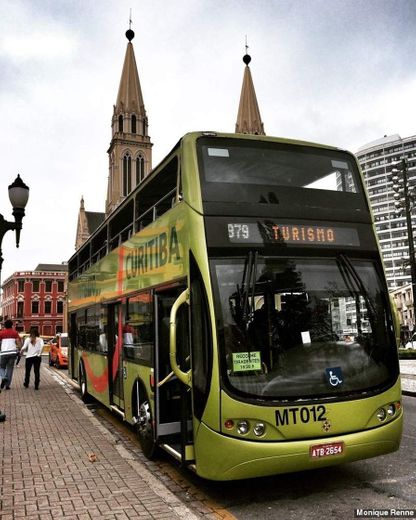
column 405, row 201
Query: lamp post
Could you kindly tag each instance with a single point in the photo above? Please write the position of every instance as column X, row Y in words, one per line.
column 404, row 202
column 18, row 195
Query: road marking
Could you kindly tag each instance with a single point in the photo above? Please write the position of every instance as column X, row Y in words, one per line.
column 392, row 480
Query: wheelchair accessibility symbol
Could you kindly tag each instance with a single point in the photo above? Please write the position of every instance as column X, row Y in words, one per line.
column 334, row 376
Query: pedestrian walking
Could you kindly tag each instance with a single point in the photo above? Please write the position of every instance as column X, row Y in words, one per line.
column 34, row 347
column 19, row 357
column 10, row 345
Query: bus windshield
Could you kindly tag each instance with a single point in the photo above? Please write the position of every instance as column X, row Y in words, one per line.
column 302, row 327
column 241, row 162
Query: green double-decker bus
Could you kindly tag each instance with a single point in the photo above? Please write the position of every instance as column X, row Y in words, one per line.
column 234, row 309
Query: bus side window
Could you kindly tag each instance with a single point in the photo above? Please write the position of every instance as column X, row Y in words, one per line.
column 81, row 326
column 138, row 335
column 155, row 198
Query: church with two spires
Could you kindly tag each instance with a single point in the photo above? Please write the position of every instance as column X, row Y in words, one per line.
column 130, row 151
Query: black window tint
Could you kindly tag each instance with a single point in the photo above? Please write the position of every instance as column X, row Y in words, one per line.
column 201, row 345
column 138, row 328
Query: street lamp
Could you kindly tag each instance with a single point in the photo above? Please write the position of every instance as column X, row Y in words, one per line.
column 404, row 201
column 18, row 195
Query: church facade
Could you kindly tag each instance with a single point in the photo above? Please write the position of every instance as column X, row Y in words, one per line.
column 130, row 150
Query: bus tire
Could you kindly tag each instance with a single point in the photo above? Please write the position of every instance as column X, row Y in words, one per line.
column 82, row 378
column 145, row 430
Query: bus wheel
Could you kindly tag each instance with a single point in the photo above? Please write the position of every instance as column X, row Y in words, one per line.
column 57, row 364
column 85, row 396
column 145, row 429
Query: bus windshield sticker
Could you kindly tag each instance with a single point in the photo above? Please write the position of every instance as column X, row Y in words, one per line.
column 218, row 152
column 306, row 337
column 340, row 164
column 294, row 234
column 334, row 376
column 244, row 361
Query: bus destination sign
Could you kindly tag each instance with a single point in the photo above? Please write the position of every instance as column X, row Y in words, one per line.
column 293, row 234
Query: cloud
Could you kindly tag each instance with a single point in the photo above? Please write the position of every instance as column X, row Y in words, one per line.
column 337, row 72
column 39, row 45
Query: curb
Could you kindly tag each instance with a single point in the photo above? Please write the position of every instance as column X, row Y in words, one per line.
column 157, row 485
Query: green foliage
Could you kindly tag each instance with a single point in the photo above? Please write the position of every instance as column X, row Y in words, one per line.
column 407, row 353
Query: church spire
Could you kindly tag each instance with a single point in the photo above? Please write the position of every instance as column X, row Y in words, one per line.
column 130, row 152
column 130, row 98
column 82, row 226
column 248, row 118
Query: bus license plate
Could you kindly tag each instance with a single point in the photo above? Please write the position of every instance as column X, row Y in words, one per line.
column 326, row 450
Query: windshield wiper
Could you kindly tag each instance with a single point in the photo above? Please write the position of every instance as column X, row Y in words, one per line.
column 253, row 292
column 349, row 273
column 248, row 264
column 248, row 281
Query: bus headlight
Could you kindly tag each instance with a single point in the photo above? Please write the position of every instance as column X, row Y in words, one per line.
column 259, row 429
column 391, row 410
column 242, row 427
column 381, row 414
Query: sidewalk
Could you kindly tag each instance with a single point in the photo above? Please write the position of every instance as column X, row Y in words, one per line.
column 49, row 442
column 408, row 375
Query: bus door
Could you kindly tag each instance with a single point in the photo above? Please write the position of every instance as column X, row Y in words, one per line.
column 72, row 342
column 173, row 409
column 115, row 354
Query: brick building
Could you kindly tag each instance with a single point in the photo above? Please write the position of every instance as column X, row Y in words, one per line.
column 37, row 299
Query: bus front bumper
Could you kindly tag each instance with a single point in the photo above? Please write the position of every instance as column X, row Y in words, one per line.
column 227, row 458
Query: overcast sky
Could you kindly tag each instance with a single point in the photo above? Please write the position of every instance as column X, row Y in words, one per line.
column 337, row 72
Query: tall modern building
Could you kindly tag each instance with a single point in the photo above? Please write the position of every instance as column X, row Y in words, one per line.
column 376, row 160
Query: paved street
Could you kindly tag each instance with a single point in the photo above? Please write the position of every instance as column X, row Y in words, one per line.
column 58, row 461
column 408, row 371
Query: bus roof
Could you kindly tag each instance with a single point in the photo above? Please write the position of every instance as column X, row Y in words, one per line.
column 252, row 137
column 189, row 139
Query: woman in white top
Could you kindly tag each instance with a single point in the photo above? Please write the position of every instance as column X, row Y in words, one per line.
column 34, row 346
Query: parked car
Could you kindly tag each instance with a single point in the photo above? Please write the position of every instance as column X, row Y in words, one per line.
column 411, row 343
column 46, row 342
column 58, row 351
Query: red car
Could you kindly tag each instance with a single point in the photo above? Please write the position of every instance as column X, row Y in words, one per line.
column 58, row 352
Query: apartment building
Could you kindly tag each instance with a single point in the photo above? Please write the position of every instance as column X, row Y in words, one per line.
column 36, row 299
column 377, row 160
